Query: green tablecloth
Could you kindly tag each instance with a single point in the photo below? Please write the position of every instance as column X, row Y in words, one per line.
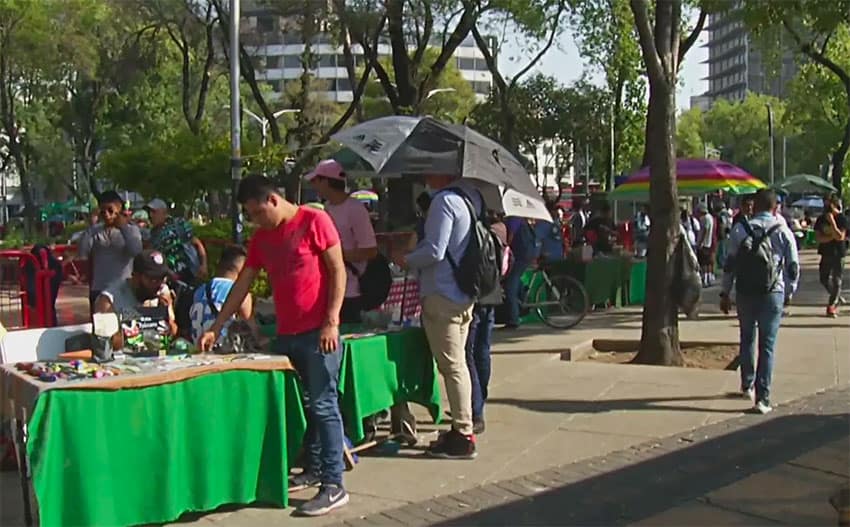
column 383, row 370
column 637, row 283
column 147, row 455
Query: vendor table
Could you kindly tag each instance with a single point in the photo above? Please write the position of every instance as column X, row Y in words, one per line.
column 383, row 370
column 146, row 448
column 606, row 279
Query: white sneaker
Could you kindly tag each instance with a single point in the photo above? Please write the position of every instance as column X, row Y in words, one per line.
column 749, row 394
column 762, row 407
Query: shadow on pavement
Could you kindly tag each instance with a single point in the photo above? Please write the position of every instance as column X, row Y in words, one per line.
column 567, row 406
column 649, row 487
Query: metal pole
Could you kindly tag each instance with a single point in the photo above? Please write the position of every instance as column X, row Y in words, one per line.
column 235, row 124
column 5, row 211
column 784, row 157
column 587, row 169
column 770, row 137
column 265, row 124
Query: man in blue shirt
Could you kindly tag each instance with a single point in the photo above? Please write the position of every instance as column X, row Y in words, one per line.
column 446, row 310
column 760, row 310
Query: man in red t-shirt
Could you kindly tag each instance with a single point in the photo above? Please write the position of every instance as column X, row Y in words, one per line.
column 299, row 248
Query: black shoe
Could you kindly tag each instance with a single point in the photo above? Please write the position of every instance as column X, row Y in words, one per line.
column 303, row 481
column 453, row 445
column 330, row 497
column 510, row 326
column 478, row 426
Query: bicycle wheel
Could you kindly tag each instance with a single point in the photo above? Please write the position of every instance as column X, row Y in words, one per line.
column 561, row 301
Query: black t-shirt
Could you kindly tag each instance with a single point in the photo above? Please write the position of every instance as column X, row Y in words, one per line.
column 833, row 248
column 604, row 229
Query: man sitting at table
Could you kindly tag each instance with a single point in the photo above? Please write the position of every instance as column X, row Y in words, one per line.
column 300, row 250
column 145, row 288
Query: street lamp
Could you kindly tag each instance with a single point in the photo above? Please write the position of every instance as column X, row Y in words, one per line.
column 770, row 137
column 435, row 91
column 264, row 123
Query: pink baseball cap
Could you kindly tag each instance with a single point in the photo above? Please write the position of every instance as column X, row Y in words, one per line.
column 328, row 168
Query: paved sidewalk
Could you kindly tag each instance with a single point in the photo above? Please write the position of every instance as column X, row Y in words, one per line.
column 745, row 471
column 545, row 413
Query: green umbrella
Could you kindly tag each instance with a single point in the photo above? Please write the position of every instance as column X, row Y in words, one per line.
column 807, row 184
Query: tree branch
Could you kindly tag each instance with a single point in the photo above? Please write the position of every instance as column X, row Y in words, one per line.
column 554, row 31
column 203, row 91
column 464, row 26
column 647, row 41
column 688, row 43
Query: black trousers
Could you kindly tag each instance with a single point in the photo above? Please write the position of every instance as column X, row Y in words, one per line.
column 830, row 270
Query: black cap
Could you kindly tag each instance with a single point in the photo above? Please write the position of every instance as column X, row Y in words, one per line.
column 151, row 263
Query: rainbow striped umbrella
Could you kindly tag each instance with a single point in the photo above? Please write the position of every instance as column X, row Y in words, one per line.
column 694, row 177
column 364, row 195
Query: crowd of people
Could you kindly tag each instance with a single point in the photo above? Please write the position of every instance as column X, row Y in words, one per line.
column 317, row 262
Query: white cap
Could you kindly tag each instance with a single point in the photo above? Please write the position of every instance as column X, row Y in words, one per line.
column 156, row 204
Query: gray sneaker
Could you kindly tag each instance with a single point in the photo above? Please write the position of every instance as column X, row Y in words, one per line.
column 303, row 481
column 330, row 497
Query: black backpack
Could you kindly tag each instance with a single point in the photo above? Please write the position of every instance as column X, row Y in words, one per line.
column 375, row 282
column 756, row 272
column 480, row 268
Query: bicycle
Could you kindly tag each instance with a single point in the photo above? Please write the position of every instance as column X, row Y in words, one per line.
column 560, row 301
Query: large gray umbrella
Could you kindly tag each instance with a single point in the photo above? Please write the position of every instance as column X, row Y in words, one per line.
column 403, row 145
column 805, row 184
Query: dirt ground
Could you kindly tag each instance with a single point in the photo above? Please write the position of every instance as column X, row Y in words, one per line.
column 707, row 357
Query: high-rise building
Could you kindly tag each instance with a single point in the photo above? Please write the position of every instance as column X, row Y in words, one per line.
column 736, row 64
column 277, row 46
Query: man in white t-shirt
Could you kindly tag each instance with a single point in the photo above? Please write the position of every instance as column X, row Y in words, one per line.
column 705, row 244
column 355, row 231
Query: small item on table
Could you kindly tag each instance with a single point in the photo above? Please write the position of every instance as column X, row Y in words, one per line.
column 104, row 326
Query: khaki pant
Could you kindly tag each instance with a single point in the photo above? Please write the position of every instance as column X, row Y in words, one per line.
column 446, row 326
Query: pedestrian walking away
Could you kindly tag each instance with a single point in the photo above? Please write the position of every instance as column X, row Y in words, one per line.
column 831, row 235
column 299, row 249
column 764, row 267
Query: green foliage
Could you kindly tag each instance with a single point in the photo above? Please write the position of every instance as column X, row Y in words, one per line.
column 818, row 109
column 178, row 167
column 690, row 130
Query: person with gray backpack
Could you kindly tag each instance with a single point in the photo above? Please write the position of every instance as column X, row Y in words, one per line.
column 764, row 266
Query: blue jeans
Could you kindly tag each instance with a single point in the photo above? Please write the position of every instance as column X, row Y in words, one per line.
column 513, row 290
column 764, row 312
column 319, row 372
column 478, row 356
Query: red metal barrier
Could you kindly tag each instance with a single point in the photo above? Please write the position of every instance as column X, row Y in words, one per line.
column 15, row 310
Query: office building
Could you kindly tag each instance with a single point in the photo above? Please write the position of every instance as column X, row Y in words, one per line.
column 276, row 44
column 737, row 65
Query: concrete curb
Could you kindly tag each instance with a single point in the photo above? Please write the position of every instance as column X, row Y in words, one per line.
column 578, row 351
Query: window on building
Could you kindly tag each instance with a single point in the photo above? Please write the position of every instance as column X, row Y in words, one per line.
column 273, row 61
column 274, row 85
column 265, row 24
column 464, row 63
column 343, row 84
column 481, row 65
column 482, row 87
column 327, row 61
column 291, row 61
column 291, row 37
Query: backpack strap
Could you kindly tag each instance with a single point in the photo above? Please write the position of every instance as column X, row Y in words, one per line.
column 473, row 217
column 210, row 303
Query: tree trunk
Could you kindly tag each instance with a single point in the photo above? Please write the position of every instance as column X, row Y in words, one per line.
column 840, row 155
column 660, row 330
